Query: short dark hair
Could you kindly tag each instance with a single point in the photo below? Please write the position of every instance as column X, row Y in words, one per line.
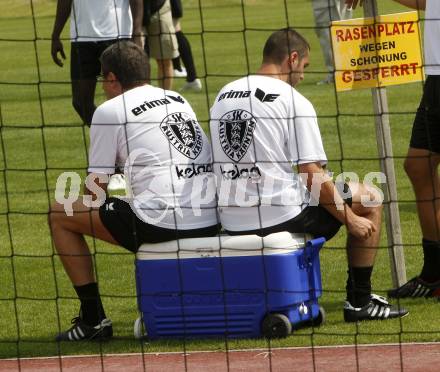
column 283, row 42
column 128, row 62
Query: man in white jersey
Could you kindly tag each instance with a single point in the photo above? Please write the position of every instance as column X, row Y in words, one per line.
column 155, row 136
column 94, row 25
column 423, row 158
column 260, row 127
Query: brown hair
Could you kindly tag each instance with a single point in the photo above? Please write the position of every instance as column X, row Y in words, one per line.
column 128, row 62
column 283, row 42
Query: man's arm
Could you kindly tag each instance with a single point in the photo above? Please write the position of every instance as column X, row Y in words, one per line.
column 137, row 13
column 415, row 4
column 63, row 12
column 103, row 151
column 329, row 198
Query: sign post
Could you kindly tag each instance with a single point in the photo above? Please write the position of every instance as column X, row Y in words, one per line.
column 372, row 53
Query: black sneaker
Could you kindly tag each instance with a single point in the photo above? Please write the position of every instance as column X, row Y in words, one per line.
column 377, row 309
column 416, row 287
column 81, row 331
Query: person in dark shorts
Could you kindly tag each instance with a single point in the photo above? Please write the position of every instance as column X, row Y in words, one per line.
column 314, row 220
column 423, row 158
column 91, row 31
column 261, row 127
column 189, row 72
column 154, row 135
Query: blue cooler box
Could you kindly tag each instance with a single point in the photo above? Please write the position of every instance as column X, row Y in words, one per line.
column 233, row 286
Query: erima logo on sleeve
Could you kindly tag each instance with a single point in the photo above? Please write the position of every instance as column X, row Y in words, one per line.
column 156, row 103
column 176, row 99
column 149, row 105
column 234, row 94
column 263, row 97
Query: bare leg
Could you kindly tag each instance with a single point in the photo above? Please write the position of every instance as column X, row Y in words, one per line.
column 67, row 234
column 176, row 61
column 361, row 303
column 362, row 253
column 165, row 73
column 421, row 167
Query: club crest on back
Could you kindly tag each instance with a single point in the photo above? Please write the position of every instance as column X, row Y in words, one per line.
column 236, row 132
column 184, row 133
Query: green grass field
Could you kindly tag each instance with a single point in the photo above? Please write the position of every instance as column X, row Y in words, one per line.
column 41, row 137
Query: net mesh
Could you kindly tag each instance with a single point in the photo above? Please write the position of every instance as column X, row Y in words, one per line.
column 42, row 136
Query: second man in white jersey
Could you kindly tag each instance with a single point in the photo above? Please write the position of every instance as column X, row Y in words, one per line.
column 260, row 128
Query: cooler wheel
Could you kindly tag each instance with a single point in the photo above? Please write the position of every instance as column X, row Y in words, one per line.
column 276, row 326
column 320, row 319
column 315, row 322
column 139, row 329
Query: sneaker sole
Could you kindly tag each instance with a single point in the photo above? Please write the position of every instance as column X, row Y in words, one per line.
column 101, row 336
column 94, row 339
column 100, row 339
column 435, row 294
column 97, row 337
column 373, row 319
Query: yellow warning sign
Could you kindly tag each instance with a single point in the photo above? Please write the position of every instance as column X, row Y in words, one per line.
column 376, row 52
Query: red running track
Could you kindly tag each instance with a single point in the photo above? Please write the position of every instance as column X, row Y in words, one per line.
column 423, row 357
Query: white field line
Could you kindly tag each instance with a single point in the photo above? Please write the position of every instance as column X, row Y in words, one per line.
column 230, row 351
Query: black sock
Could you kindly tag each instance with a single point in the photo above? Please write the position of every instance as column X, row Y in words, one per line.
column 176, row 64
column 431, row 261
column 359, row 285
column 186, row 56
column 91, row 305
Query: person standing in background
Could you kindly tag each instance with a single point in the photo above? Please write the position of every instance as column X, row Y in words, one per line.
column 192, row 82
column 326, row 11
column 423, row 158
column 160, row 39
column 94, row 25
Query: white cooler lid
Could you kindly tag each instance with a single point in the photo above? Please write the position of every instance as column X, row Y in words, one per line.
column 223, row 246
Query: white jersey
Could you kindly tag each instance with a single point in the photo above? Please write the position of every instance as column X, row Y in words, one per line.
column 155, row 136
column 260, row 127
column 97, row 20
column 432, row 37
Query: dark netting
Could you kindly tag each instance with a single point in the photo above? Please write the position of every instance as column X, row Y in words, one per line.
column 42, row 137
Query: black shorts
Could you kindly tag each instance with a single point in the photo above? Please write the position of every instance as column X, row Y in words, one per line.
column 426, row 128
column 176, row 9
column 131, row 232
column 313, row 220
column 84, row 59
